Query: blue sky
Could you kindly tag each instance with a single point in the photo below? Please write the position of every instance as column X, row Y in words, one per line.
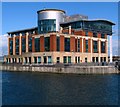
column 20, row 15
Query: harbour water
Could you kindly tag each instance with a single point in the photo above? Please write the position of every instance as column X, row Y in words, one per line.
column 33, row 88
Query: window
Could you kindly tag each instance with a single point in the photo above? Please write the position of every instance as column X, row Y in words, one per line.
column 46, row 25
column 86, row 60
column 93, row 59
column 78, row 59
column 37, row 44
column 25, row 59
column 78, row 45
column 49, row 59
column 69, row 59
column 67, row 44
column 96, row 59
column 95, row 46
column 23, row 45
column 58, row 59
column 35, row 59
column 94, row 34
column 30, row 44
column 39, row 59
column 102, row 35
column 104, row 59
column 86, row 33
column 9, row 60
column 47, row 43
column 11, row 47
column 102, row 47
column 58, row 43
column 101, row 59
column 30, row 60
column 19, row 60
column 86, row 42
column 64, row 59
column 17, row 46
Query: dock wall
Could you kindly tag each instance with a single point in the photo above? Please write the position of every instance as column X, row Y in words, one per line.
column 69, row 69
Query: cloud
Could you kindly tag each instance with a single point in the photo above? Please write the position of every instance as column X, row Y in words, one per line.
column 3, row 44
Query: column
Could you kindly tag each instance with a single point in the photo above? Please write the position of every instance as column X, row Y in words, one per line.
column 62, row 43
column 61, row 29
column 53, row 43
column 27, row 41
column 41, row 43
column 20, row 44
column 14, row 47
column 72, row 44
column 69, row 29
column 110, row 48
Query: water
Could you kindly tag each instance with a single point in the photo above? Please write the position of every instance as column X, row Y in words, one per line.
column 32, row 88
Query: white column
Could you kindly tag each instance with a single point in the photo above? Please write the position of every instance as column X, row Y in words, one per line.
column 69, row 29
column 111, row 48
column 61, row 29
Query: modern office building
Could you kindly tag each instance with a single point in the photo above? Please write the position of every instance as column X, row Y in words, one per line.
column 59, row 38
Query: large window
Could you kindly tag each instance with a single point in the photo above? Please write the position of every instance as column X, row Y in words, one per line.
column 47, row 25
column 78, row 47
column 39, row 59
column 102, row 47
column 67, row 44
column 65, row 59
column 86, row 43
column 23, row 45
column 47, row 43
column 95, row 46
column 37, row 44
column 58, row 43
column 11, row 47
column 49, row 59
column 102, row 35
column 94, row 34
column 69, row 59
column 30, row 44
column 17, row 46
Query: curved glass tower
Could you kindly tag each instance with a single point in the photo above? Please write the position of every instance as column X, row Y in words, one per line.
column 49, row 20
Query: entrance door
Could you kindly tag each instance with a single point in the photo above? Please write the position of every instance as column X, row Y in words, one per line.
column 45, row 59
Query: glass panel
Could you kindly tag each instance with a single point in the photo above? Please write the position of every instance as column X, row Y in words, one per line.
column 69, row 59
column 23, row 45
column 49, row 59
column 47, row 25
column 30, row 44
column 58, row 43
column 86, row 42
column 64, row 59
column 11, row 47
column 67, row 44
column 95, row 46
column 47, row 43
column 102, row 47
column 17, row 46
column 37, row 44
column 39, row 59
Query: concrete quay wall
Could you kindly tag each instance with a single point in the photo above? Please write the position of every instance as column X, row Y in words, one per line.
column 69, row 69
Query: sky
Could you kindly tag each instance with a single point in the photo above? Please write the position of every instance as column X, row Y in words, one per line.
column 21, row 15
